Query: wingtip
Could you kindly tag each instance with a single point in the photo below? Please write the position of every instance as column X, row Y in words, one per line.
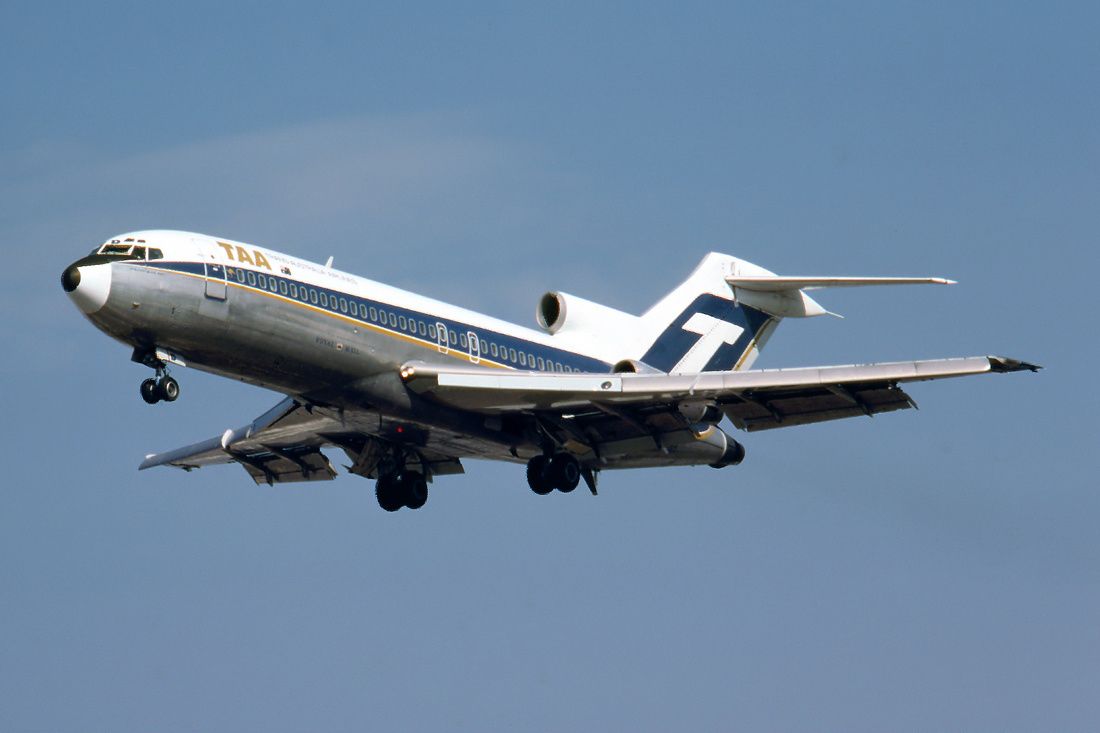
column 1005, row 364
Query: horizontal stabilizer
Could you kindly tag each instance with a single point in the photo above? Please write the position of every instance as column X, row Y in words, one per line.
column 778, row 284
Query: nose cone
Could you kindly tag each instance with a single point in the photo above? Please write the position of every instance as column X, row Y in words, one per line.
column 70, row 279
column 88, row 284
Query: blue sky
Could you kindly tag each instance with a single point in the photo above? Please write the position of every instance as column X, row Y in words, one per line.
column 923, row 570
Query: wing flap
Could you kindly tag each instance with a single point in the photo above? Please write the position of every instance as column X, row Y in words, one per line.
column 286, row 465
column 765, row 410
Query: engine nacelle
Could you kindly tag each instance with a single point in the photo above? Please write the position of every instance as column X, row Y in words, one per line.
column 731, row 453
column 563, row 313
column 633, row 366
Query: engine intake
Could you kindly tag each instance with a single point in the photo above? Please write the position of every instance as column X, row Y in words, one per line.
column 561, row 312
column 633, row 366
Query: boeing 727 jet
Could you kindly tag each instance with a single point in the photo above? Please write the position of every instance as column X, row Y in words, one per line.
column 407, row 386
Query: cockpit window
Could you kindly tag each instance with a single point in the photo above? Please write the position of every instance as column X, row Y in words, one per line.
column 123, row 250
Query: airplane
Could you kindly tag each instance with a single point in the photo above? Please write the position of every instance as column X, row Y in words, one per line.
column 408, row 386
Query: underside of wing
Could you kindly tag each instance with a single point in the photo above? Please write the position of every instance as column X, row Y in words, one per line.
column 284, row 446
column 281, row 446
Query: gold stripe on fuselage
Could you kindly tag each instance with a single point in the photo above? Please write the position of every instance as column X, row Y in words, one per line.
column 434, row 346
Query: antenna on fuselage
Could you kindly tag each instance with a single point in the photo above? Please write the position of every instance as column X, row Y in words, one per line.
column 329, row 263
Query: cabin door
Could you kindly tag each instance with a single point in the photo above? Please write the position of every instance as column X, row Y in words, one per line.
column 215, row 281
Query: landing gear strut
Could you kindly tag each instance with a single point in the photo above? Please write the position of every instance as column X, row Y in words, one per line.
column 562, row 471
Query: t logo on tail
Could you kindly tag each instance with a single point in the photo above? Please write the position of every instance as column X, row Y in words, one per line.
column 713, row 333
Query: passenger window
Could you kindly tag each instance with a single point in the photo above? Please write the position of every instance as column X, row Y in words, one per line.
column 522, row 359
column 423, row 329
column 462, row 340
column 282, row 287
column 373, row 313
column 240, row 275
column 273, row 284
column 343, row 305
column 512, row 354
column 454, row 338
column 402, row 322
column 542, row 364
column 293, row 291
column 155, row 254
column 393, row 320
column 251, row 278
column 493, row 348
column 431, row 331
column 313, row 296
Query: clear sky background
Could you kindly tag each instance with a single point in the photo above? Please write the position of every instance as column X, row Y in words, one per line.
column 925, row 570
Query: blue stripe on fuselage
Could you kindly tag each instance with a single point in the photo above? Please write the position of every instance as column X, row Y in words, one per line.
column 275, row 285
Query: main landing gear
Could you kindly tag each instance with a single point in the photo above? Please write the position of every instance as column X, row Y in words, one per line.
column 163, row 387
column 403, row 488
column 561, row 471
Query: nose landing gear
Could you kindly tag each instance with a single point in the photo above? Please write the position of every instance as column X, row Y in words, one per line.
column 163, row 387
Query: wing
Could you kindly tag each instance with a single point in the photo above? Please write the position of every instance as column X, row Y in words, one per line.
column 753, row 400
column 284, row 445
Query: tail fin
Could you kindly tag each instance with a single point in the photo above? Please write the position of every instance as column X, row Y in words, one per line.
column 721, row 316
column 699, row 326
